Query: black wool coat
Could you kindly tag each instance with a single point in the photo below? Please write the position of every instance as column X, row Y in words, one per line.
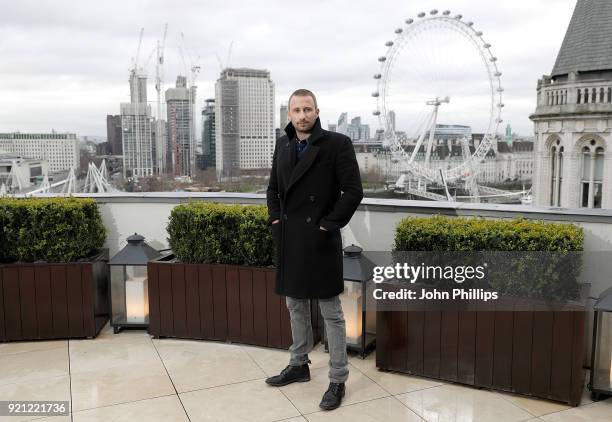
column 322, row 189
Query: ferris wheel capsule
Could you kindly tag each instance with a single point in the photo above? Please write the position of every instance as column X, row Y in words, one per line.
column 377, row 76
column 421, row 15
column 500, row 89
column 446, row 12
column 433, row 12
column 376, row 113
column 399, row 30
column 409, row 21
column 458, row 17
column 470, row 23
column 486, row 45
column 382, row 59
column 389, row 43
column 479, row 33
column 375, row 94
column 500, row 120
column 498, row 74
column 500, row 105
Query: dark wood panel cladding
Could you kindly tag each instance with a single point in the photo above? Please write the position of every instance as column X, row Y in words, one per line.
column 42, row 301
column 219, row 302
column 519, row 346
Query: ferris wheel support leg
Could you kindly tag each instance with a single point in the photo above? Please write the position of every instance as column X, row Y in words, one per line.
column 432, row 130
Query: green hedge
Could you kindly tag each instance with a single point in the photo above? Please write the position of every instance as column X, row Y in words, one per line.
column 527, row 258
column 207, row 232
column 441, row 233
column 49, row 229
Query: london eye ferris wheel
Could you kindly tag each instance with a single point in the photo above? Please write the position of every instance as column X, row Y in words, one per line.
column 438, row 72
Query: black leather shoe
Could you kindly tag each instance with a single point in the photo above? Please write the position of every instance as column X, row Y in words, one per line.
column 333, row 396
column 290, row 374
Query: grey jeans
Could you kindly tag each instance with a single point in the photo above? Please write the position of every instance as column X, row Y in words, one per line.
column 335, row 328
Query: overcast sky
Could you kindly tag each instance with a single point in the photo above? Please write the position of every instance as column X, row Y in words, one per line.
column 64, row 64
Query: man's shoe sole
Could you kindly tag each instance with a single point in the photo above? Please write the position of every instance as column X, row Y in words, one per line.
column 281, row 384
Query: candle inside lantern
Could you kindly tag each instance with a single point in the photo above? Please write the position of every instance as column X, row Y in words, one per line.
column 352, row 309
column 136, row 299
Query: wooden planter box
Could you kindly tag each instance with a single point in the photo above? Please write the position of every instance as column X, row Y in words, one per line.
column 528, row 350
column 219, row 302
column 42, row 301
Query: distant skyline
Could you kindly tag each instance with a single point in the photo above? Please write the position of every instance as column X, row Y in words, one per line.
column 65, row 64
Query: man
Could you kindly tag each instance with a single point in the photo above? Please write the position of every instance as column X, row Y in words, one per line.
column 314, row 189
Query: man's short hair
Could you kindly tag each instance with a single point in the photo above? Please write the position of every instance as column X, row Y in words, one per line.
column 302, row 93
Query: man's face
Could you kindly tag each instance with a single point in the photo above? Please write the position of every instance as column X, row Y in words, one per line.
column 302, row 113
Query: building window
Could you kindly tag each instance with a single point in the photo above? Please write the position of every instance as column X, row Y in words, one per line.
column 594, row 95
column 578, row 98
column 592, row 176
column 556, row 174
column 601, row 95
column 586, row 96
column 609, row 95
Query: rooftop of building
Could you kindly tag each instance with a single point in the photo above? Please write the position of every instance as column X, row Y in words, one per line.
column 50, row 135
column 245, row 72
column 587, row 45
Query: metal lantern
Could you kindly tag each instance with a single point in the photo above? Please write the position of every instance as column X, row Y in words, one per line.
column 128, row 284
column 601, row 358
column 360, row 324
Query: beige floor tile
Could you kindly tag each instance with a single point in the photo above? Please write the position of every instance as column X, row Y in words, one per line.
column 594, row 412
column 536, row 407
column 120, row 384
column 54, row 419
column 397, row 383
column 306, row 396
column 296, row 419
column 194, row 365
column 367, row 364
column 98, row 354
column 251, row 401
column 272, row 361
column 393, row 382
column 160, row 409
column 28, row 366
column 386, row 409
column 55, row 388
column 459, row 403
column 31, row 346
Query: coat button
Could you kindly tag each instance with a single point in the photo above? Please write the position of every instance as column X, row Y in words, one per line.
column 284, row 216
column 308, row 220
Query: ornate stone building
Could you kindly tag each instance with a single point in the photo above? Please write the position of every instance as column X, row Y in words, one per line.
column 573, row 118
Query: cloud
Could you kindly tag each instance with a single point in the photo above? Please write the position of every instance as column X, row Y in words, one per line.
column 65, row 63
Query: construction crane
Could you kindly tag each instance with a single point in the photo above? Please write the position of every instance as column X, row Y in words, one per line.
column 227, row 61
column 134, row 72
column 159, row 74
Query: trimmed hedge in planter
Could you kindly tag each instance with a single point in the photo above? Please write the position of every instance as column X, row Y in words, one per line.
column 219, row 285
column 49, row 229
column 205, row 233
column 519, row 345
column 549, row 246
column 53, row 270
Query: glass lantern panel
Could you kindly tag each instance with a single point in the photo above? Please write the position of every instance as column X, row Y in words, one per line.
column 136, row 294
column 351, row 300
column 602, row 370
column 117, row 274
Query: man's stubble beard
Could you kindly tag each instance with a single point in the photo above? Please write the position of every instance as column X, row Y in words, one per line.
column 309, row 130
